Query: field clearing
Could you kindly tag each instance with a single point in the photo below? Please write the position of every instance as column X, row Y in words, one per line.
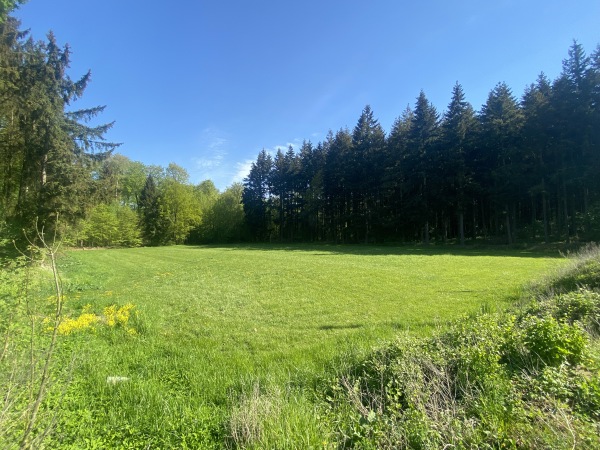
column 216, row 321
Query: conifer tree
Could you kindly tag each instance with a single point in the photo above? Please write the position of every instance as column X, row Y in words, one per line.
column 336, row 184
column 501, row 120
column 256, row 197
column 455, row 173
column 366, row 167
column 536, row 148
column 395, row 180
column 422, row 145
column 49, row 150
column 572, row 103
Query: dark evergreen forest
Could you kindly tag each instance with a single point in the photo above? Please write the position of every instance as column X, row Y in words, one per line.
column 519, row 169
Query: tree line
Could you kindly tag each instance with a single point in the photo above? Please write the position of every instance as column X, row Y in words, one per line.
column 57, row 168
column 519, row 169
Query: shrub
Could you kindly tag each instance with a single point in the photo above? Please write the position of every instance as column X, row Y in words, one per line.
column 547, row 342
column 495, row 381
column 580, row 306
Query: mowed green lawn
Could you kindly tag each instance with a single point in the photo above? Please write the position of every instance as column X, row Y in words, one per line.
column 214, row 321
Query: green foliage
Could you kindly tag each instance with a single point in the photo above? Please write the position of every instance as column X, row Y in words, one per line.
column 581, row 307
column 111, row 225
column 149, row 212
column 7, row 6
column 519, row 170
column 47, row 150
column 178, row 209
column 588, row 223
column 547, row 342
column 32, row 356
column 223, row 218
column 463, row 388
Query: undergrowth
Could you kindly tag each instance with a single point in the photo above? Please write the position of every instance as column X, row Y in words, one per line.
column 524, row 379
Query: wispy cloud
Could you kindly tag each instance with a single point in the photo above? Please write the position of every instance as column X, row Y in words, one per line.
column 242, row 171
column 296, row 144
column 215, row 160
column 212, row 149
column 210, row 160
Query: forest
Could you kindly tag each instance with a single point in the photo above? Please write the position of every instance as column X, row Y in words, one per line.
column 520, row 169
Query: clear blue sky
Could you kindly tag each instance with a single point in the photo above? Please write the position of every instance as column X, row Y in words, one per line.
column 208, row 84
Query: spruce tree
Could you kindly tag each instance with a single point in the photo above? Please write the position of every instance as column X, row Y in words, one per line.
column 336, row 186
column 572, row 105
column 455, row 172
column 501, row 121
column 395, row 180
column 422, row 144
column 256, row 197
column 49, row 150
column 537, row 150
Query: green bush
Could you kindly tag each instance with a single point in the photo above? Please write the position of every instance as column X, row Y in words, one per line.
column 547, row 342
column 488, row 382
column 580, row 306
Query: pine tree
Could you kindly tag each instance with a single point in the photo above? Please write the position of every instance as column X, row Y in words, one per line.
column 422, row 145
column 537, row 145
column 458, row 131
column 256, row 197
column 501, row 121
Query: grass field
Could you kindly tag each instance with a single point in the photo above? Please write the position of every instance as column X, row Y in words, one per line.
column 230, row 340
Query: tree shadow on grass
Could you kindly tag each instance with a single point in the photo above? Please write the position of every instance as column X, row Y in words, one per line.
column 351, row 326
column 536, row 251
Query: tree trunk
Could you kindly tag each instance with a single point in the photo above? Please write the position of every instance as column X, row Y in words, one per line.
column 566, row 211
column 508, row 235
column 514, row 222
column 545, row 212
column 533, row 217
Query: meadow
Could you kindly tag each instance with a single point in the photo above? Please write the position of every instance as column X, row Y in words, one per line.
column 225, row 345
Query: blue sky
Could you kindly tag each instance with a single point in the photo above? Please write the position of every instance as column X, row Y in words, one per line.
column 208, row 83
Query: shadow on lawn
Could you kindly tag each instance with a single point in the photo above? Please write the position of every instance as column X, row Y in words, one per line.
column 536, row 251
column 351, row 326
